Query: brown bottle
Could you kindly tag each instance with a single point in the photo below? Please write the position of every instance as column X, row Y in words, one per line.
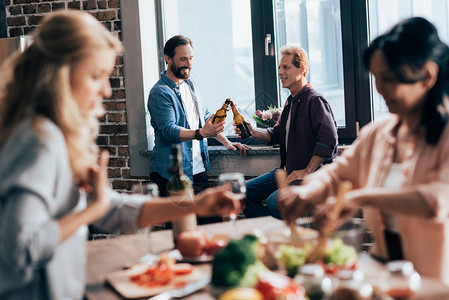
column 239, row 121
column 220, row 115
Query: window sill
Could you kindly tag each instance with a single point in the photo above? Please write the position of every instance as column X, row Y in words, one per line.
column 259, row 160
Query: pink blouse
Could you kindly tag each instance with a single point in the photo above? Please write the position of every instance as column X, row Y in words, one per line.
column 367, row 162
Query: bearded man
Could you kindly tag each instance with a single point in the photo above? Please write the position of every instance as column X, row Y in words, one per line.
column 179, row 116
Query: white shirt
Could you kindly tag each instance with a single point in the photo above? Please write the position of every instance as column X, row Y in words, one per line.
column 193, row 119
column 394, row 179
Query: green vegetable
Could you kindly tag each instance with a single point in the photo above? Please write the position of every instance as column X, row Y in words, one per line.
column 292, row 258
column 340, row 254
column 237, row 264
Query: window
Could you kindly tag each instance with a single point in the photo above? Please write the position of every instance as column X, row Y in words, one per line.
column 223, row 55
column 243, row 64
column 316, row 26
column 236, row 45
column 385, row 13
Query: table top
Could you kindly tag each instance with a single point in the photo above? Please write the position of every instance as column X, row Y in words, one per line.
column 106, row 256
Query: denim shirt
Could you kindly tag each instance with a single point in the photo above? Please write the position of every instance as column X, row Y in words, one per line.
column 168, row 117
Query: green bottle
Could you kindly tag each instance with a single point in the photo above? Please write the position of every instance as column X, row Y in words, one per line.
column 181, row 193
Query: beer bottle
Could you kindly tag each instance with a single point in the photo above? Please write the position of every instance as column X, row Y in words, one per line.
column 239, row 120
column 220, row 115
column 181, row 193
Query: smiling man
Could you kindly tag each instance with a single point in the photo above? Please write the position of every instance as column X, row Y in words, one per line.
column 306, row 133
column 179, row 116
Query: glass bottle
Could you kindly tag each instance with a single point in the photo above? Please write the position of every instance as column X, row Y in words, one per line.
column 152, row 190
column 181, row 193
column 221, row 113
column 403, row 281
column 312, row 278
column 240, row 122
column 351, row 286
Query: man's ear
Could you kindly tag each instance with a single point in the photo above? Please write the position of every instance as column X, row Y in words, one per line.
column 167, row 58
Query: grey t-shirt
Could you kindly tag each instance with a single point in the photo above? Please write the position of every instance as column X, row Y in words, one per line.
column 36, row 189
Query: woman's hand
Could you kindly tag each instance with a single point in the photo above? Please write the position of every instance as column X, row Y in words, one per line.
column 96, row 187
column 325, row 217
column 293, row 202
column 98, row 197
column 217, row 201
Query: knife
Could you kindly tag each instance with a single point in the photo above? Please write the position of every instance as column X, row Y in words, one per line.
column 182, row 292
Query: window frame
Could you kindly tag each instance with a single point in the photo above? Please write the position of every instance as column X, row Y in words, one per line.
column 139, row 38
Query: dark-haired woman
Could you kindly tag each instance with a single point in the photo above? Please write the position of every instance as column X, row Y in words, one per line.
column 399, row 166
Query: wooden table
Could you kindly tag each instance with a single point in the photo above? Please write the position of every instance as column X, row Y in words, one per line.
column 109, row 255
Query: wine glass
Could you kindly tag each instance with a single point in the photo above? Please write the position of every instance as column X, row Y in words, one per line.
column 152, row 190
column 237, row 181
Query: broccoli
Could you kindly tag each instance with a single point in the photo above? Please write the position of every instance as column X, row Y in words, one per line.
column 292, row 258
column 237, row 264
column 340, row 254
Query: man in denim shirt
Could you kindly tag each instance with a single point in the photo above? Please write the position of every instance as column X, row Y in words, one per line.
column 179, row 116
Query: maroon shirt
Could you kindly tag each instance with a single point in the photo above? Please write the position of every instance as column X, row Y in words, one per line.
column 313, row 130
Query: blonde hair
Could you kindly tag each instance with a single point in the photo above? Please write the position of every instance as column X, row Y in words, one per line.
column 38, row 82
column 300, row 57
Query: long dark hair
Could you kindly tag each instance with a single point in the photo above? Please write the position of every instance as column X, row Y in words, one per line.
column 407, row 47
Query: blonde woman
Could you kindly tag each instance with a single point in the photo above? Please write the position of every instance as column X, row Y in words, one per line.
column 51, row 184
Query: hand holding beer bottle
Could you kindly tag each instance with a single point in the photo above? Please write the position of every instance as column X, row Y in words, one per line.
column 240, row 123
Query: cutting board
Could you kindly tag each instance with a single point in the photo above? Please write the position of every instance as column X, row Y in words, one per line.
column 126, row 288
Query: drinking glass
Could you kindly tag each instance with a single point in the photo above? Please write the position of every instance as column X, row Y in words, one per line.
column 152, row 190
column 237, row 181
column 403, row 281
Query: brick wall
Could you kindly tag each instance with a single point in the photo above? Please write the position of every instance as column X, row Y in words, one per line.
column 23, row 16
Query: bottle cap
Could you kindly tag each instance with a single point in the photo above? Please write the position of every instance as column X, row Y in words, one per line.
column 356, row 275
column 311, row 270
column 401, row 266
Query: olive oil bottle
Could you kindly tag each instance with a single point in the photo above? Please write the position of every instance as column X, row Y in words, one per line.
column 181, row 193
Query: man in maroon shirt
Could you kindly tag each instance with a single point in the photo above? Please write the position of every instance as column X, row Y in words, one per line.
column 306, row 133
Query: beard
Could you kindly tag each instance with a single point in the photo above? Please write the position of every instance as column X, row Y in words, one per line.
column 177, row 72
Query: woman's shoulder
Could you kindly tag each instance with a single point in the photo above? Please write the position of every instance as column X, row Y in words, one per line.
column 35, row 133
column 381, row 126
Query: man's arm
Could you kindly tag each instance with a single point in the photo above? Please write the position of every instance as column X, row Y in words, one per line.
column 208, row 130
column 324, row 125
column 232, row 146
column 314, row 163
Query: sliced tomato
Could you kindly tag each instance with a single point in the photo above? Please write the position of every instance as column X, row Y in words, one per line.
column 182, row 269
column 273, row 285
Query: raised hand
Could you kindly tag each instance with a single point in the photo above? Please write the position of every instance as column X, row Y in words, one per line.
column 212, row 130
column 218, row 201
column 98, row 197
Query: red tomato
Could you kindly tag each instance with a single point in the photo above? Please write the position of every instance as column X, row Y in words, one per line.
column 192, row 243
column 272, row 285
column 182, row 269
